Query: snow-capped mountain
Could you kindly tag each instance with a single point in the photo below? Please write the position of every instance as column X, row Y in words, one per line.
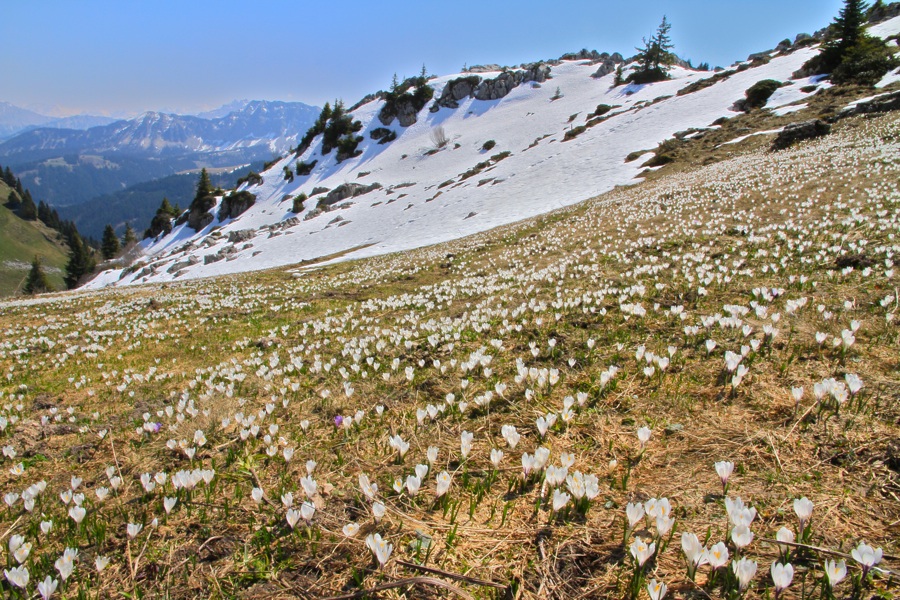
column 272, row 125
column 66, row 167
column 491, row 148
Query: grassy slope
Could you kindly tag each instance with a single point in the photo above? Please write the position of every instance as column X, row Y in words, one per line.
column 20, row 241
column 557, row 292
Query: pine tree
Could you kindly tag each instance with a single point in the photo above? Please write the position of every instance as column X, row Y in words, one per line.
column 203, row 198
column 110, row 246
column 80, row 261
column 37, row 282
column 851, row 55
column 849, row 24
column 27, row 209
column 655, row 58
column 130, row 236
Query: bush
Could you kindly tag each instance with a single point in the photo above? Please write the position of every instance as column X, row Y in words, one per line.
column 299, row 201
column 439, row 137
column 647, row 76
column 865, row 63
column 288, row 174
column 304, row 169
column 488, row 145
column 759, row 93
column 347, row 147
column 383, row 135
column 602, row 109
column 574, row 132
column 251, row 178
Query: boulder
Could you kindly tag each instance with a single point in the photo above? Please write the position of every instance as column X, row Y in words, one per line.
column 796, row 132
column 344, row 191
column 236, row 237
column 606, row 67
column 235, row 204
column 198, row 220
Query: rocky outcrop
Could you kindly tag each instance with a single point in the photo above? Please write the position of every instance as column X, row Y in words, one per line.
column 404, row 110
column 344, row 191
column 455, row 90
column 197, row 220
column 883, row 12
column 503, row 84
column 242, row 235
column 608, row 64
column 879, row 104
column 489, row 89
column 796, row 132
column 235, row 204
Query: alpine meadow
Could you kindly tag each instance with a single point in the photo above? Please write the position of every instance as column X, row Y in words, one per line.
column 598, row 326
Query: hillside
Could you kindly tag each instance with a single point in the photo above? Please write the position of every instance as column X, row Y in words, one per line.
column 137, row 204
column 492, row 147
column 224, row 437
column 20, row 241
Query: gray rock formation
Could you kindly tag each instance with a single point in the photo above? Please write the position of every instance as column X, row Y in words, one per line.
column 198, row 220
column 404, row 110
column 455, row 90
column 344, row 191
column 884, row 103
column 489, row 89
column 503, row 84
column 796, row 132
column 608, row 65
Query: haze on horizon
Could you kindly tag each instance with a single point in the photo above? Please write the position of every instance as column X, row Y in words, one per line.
column 123, row 58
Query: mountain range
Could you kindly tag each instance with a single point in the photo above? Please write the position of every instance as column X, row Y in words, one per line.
column 15, row 120
column 68, row 167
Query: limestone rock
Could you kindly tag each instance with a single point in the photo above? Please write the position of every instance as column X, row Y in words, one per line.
column 800, row 131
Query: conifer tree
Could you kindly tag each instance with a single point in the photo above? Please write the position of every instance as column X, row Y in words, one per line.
column 27, row 209
column 850, row 54
column 110, row 246
column 37, row 282
column 130, row 236
column 656, row 57
column 202, row 199
column 80, row 261
column 849, row 24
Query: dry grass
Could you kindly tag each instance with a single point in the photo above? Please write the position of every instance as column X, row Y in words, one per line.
column 565, row 277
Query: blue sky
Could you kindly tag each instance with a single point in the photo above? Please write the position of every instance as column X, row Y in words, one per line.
column 126, row 56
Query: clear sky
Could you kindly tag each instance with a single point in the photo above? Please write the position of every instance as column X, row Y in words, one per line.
column 123, row 57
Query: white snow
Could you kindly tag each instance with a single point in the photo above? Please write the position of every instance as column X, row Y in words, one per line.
column 542, row 173
column 786, row 110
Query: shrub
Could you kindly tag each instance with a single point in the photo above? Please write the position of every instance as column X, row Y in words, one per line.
column 865, row 63
column 439, row 137
column 304, row 169
column 288, row 174
column 574, row 132
column 347, row 147
column 488, row 145
column 759, row 93
column 383, row 135
column 299, row 201
column 602, row 109
column 251, row 178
